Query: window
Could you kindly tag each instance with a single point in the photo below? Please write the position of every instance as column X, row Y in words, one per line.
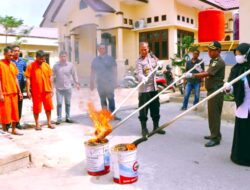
column 82, row 4
column 187, row 20
column 130, row 22
column 125, row 21
column 178, row 17
column 164, row 17
column 180, row 35
column 192, row 21
column 149, row 20
column 158, row 42
column 183, row 19
column 156, row 19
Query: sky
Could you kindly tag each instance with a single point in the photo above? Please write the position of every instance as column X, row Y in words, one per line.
column 30, row 11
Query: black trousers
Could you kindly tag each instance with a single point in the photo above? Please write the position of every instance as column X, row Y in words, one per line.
column 154, row 106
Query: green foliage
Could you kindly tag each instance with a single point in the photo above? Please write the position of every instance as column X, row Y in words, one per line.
column 9, row 23
column 23, row 33
column 186, row 46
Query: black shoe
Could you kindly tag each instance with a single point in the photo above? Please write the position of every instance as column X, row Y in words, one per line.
column 144, row 133
column 208, row 137
column 18, row 126
column 69, row 121
column 58, row 122
column 212, row 143
column 183, row 109
column 160, row 131
column 117, row 118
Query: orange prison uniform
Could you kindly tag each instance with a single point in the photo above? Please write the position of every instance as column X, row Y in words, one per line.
column 41, row 86
column 9, row 107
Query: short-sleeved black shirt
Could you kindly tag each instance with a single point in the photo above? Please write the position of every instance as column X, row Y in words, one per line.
column 104, row 69
column 189, row 65
column 216, row 73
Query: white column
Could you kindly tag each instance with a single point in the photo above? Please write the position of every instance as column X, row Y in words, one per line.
column 172, row 37
column 120, row 59
column 72, row 44
column 98, row 36
column 244, row 21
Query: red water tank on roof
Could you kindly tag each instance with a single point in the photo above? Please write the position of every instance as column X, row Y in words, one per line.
column 211, row 25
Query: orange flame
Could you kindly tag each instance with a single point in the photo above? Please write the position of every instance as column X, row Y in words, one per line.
column 130, row 146
column 100, row 120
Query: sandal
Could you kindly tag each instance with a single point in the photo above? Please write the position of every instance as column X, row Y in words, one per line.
column 38, row 128
column 51, row 126
column 16, row 133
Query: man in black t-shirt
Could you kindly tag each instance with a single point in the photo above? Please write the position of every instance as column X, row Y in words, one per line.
column 104, row 72
column 193, row 83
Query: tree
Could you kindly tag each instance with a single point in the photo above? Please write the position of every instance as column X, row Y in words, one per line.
column 23, row 33
column 9, row 23
column 186, row 46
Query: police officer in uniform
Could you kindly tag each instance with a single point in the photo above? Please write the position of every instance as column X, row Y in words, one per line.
column 145, row 65
column 214, row 80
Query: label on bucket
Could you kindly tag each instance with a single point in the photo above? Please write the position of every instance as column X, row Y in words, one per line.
column 125, row 167
column 98, row 158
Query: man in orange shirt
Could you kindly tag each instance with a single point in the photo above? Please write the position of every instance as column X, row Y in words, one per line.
column 39, row 87
column 9, row 92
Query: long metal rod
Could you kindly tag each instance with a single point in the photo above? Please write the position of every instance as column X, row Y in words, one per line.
column 133, row 91
column 220, row 90
column 148, row 102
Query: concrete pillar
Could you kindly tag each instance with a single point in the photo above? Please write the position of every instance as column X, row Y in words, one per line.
column 120, row 59
column 244, row 21
column 98, row 36
column 172, row 37
column 72, row 44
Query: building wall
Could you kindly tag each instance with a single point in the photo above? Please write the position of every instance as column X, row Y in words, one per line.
column 244, row 21
column 87, row 52
column 50, row 46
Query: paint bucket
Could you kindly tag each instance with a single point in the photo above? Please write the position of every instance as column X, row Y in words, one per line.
column 124, row 164
column 98, row 158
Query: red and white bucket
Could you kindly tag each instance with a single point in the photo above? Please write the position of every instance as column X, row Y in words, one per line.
column 125, row 165
column 98, row 158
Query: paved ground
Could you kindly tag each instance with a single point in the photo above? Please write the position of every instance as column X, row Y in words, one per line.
column 177, row 160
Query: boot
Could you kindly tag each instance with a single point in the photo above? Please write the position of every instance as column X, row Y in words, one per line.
column 144, row 130
column 156, row 126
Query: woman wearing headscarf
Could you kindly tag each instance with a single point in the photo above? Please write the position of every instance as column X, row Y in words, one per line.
column 241, row 141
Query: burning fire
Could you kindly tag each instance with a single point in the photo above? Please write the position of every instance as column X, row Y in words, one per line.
column 101, row 123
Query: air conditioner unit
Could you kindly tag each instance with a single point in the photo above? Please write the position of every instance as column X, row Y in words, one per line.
column 139, row 24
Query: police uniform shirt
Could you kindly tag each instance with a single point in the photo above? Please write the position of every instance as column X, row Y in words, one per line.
column 216, row 73
column 144, row 66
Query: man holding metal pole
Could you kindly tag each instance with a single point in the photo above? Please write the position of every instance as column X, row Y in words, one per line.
column 214, row 80
column 104, row 72
column 144, row 65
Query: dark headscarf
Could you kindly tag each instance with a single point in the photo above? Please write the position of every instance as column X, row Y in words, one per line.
column 237, row 70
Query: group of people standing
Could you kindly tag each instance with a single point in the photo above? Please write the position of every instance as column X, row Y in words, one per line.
column 214, row 77
column 40, row 81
